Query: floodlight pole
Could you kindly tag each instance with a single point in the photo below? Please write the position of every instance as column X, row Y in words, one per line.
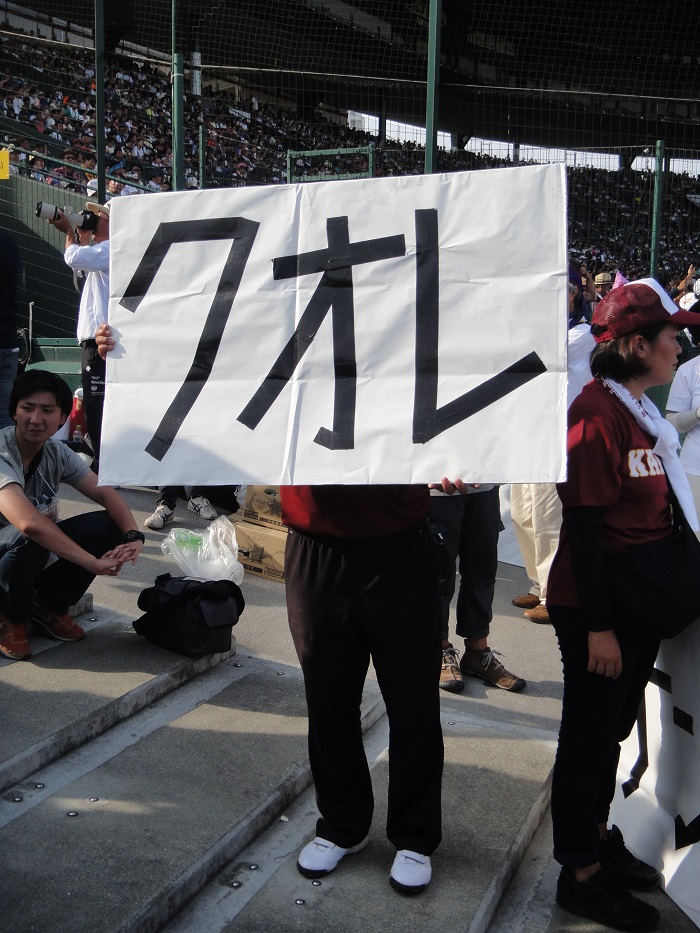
column 432, row 91
column 656, row 216
column 101, row 166
column 178, row 86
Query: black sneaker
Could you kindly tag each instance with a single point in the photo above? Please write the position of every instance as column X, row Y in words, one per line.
column 605, row 899
column 636, row 874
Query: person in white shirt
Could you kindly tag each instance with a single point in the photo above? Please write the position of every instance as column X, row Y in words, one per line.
column 535, row 507
column 87, row 250
column 683, row 411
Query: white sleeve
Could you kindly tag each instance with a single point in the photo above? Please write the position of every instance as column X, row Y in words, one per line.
column 88, row 258
column 680, row 398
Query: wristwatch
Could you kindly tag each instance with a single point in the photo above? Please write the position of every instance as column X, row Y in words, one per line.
column 134, row 535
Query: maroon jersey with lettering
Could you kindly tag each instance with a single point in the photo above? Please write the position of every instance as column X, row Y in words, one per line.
column 611, row 465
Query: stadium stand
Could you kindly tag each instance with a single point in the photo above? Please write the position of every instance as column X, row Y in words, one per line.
column 47, row 114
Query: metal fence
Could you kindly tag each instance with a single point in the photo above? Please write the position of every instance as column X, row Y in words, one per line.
column 518, row 82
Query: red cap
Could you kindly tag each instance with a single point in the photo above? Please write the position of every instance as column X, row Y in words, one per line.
column 637, row 305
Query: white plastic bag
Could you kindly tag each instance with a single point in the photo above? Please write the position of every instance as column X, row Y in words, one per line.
column 210, row 554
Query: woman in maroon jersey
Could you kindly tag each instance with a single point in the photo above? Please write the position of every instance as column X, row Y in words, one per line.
column 621, row 457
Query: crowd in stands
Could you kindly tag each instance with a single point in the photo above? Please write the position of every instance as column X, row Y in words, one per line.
column 47, row 88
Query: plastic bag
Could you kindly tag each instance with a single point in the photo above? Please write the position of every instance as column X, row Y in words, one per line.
column 210, row 554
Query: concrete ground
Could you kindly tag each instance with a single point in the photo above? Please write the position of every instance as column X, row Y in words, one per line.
column 201, row 784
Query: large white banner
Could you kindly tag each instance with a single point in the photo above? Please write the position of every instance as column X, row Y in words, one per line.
column 381, row 331
column 657, row 804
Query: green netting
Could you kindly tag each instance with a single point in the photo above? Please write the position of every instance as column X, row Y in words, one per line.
column 593, row 85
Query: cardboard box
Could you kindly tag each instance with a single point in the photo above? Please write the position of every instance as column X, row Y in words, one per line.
column 261, row 549
column 262, row 506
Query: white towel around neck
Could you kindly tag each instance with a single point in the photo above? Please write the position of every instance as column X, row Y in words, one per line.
column 648, row 416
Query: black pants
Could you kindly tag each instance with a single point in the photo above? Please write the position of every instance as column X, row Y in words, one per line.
column 24, row 575
column 92, row 377
column 168, row 495
column 349, row 600
column 470, row 526
column 598, row 713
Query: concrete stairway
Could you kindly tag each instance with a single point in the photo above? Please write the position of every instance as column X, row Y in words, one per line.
column 133, row 778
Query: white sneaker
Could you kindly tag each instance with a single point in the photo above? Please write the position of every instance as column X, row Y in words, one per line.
column 160, row 517
column 320, row 857
column 202, row 507
column 411, row 872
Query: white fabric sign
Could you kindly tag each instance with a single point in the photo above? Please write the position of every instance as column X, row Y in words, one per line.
column 657, row 804
column 371, row 331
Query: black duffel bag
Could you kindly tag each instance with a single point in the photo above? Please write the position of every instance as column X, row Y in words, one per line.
column 190, row 617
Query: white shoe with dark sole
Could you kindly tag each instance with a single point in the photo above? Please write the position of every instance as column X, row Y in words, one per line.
column 411, row 872
column 320, row 857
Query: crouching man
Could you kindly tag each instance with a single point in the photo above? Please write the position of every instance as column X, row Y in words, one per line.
column 32, row 465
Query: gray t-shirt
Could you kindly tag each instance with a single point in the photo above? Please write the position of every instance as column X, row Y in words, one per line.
column 58, row 464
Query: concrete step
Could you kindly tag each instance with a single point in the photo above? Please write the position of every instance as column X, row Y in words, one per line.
column 529, row 904
column 120, row 833
column 495, row 790
column 68, row 694
column 193, row 770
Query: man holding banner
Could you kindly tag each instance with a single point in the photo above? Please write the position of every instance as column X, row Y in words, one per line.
column 361, row 573
column 361, row 578
column 281, row 305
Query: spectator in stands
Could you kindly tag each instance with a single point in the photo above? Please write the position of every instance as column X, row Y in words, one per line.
column 32, row 466
column 68, row 176
column 37, row 169
column 588, row 292
column 155, row 183
column 603, row 284
column 677, row 291
column 136, row 104
column 14, row 160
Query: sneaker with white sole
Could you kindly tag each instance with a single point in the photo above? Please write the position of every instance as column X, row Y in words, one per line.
column 13, row 640
column 411, row 872
column 320, row 857
column 202, row 507
column 162, row 516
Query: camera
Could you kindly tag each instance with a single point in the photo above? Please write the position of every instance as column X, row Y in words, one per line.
column 85, row 220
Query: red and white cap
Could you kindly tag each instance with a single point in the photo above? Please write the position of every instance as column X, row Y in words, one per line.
column 634, row 307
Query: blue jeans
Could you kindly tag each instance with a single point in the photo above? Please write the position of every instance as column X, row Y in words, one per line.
column 25, row 578
column 8, row 371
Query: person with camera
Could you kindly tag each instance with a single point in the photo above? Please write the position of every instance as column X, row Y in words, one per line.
column 87, row 250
